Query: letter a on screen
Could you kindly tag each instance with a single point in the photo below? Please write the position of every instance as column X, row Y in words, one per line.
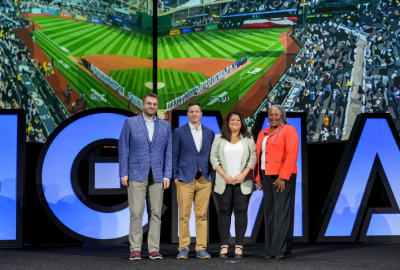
column 373, row 148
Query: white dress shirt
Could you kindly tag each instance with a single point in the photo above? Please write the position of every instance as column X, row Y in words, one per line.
column 233, row 155
column 150, row 126
column 263, row 153
column 197, row 134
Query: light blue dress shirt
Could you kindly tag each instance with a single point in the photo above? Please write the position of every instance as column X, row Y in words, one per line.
column 150, row 126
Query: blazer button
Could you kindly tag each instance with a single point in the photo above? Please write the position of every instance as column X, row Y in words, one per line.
column 266, row 162
column 150, row 152
column 266, row 153
column 266, row 143
column 149, row 161
column 282, row 159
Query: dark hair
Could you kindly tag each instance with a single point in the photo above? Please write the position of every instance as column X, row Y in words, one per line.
column 226, row 131
column 150, row 95
column 194, row 104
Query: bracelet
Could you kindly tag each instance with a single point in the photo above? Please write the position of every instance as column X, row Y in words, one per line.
column 221, row 174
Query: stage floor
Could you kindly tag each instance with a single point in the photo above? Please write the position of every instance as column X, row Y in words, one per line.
column 304, row 256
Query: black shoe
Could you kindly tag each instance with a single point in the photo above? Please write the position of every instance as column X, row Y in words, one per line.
column 280, row 257
column 224, row 255
column 238, row 256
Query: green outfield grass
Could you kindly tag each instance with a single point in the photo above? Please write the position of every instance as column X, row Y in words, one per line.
column 263, row 48
column 134, row 79
column 237, row 85
column 61, row 38
column 177, row 83
column 82, row 38
column 79, row 79
column 227, row 44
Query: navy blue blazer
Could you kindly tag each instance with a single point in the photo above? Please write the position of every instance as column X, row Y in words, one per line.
column 137, row 154
column 185, row 158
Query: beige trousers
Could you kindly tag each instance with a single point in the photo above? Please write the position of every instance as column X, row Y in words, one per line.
column 199, row 191
column 137, row 193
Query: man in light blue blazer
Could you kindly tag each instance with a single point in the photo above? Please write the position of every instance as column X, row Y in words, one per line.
column 193, row 174
column 145, row 162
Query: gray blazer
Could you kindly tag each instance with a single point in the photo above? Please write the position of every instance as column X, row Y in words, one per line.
column 249, row 159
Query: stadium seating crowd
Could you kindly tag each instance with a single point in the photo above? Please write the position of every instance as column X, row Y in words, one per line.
column 89, row 9
column 196, row 16
column 349, row 65
column 16, row 62
column 253, row 6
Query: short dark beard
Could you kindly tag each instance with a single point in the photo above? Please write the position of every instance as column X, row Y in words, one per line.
column 149, row 115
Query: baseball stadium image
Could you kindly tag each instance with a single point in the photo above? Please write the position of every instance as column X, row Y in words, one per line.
column 331, row 59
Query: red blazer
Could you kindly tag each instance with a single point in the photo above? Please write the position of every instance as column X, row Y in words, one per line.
column 280, row 158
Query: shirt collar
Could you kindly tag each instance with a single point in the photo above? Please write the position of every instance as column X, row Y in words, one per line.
column 149, row 121
column 193, row 128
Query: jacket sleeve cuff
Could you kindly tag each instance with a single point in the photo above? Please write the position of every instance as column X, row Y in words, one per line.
column 285, row 176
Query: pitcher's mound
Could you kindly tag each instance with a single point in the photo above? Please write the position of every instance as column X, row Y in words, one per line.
column 150, row 85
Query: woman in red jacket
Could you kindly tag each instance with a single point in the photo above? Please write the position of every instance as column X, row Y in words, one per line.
column 277, row 149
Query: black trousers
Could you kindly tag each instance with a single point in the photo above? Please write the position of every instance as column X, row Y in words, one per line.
column 278, row 215
column 232, row 198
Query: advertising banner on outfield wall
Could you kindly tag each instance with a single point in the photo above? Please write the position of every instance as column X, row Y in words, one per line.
column 95, row 20
column 167, row 3
column 50, row 11
column 36, row 10
column 207, row 84
column 117, row 19
column 65, row 15
column 186, row 30
column 80, row 17
column 122, row 20
column 211, row 27
column 197, row 29
column 175, row 32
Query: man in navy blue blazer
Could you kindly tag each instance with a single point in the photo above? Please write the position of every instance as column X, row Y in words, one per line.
column 193, row 174
column 145, row 162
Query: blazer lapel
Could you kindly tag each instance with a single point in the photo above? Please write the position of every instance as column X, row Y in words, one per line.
column 143, row 126
column 222, row 154
column 245, row 152
column 273, row 132
column 189, row 133
column 203, row 139
column 156, row 128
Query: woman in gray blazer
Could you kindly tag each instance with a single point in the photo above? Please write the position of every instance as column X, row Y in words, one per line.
column 233, row 156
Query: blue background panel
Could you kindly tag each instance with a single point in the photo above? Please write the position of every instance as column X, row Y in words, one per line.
column 8, row 177
column 298, row 208
column 256, row 197
column 376, row 139
column 212, row 123
column 56, row 180
column 106, row 175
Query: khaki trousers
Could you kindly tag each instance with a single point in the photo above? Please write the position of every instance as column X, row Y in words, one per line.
column 137, row 193
column 199, row 191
